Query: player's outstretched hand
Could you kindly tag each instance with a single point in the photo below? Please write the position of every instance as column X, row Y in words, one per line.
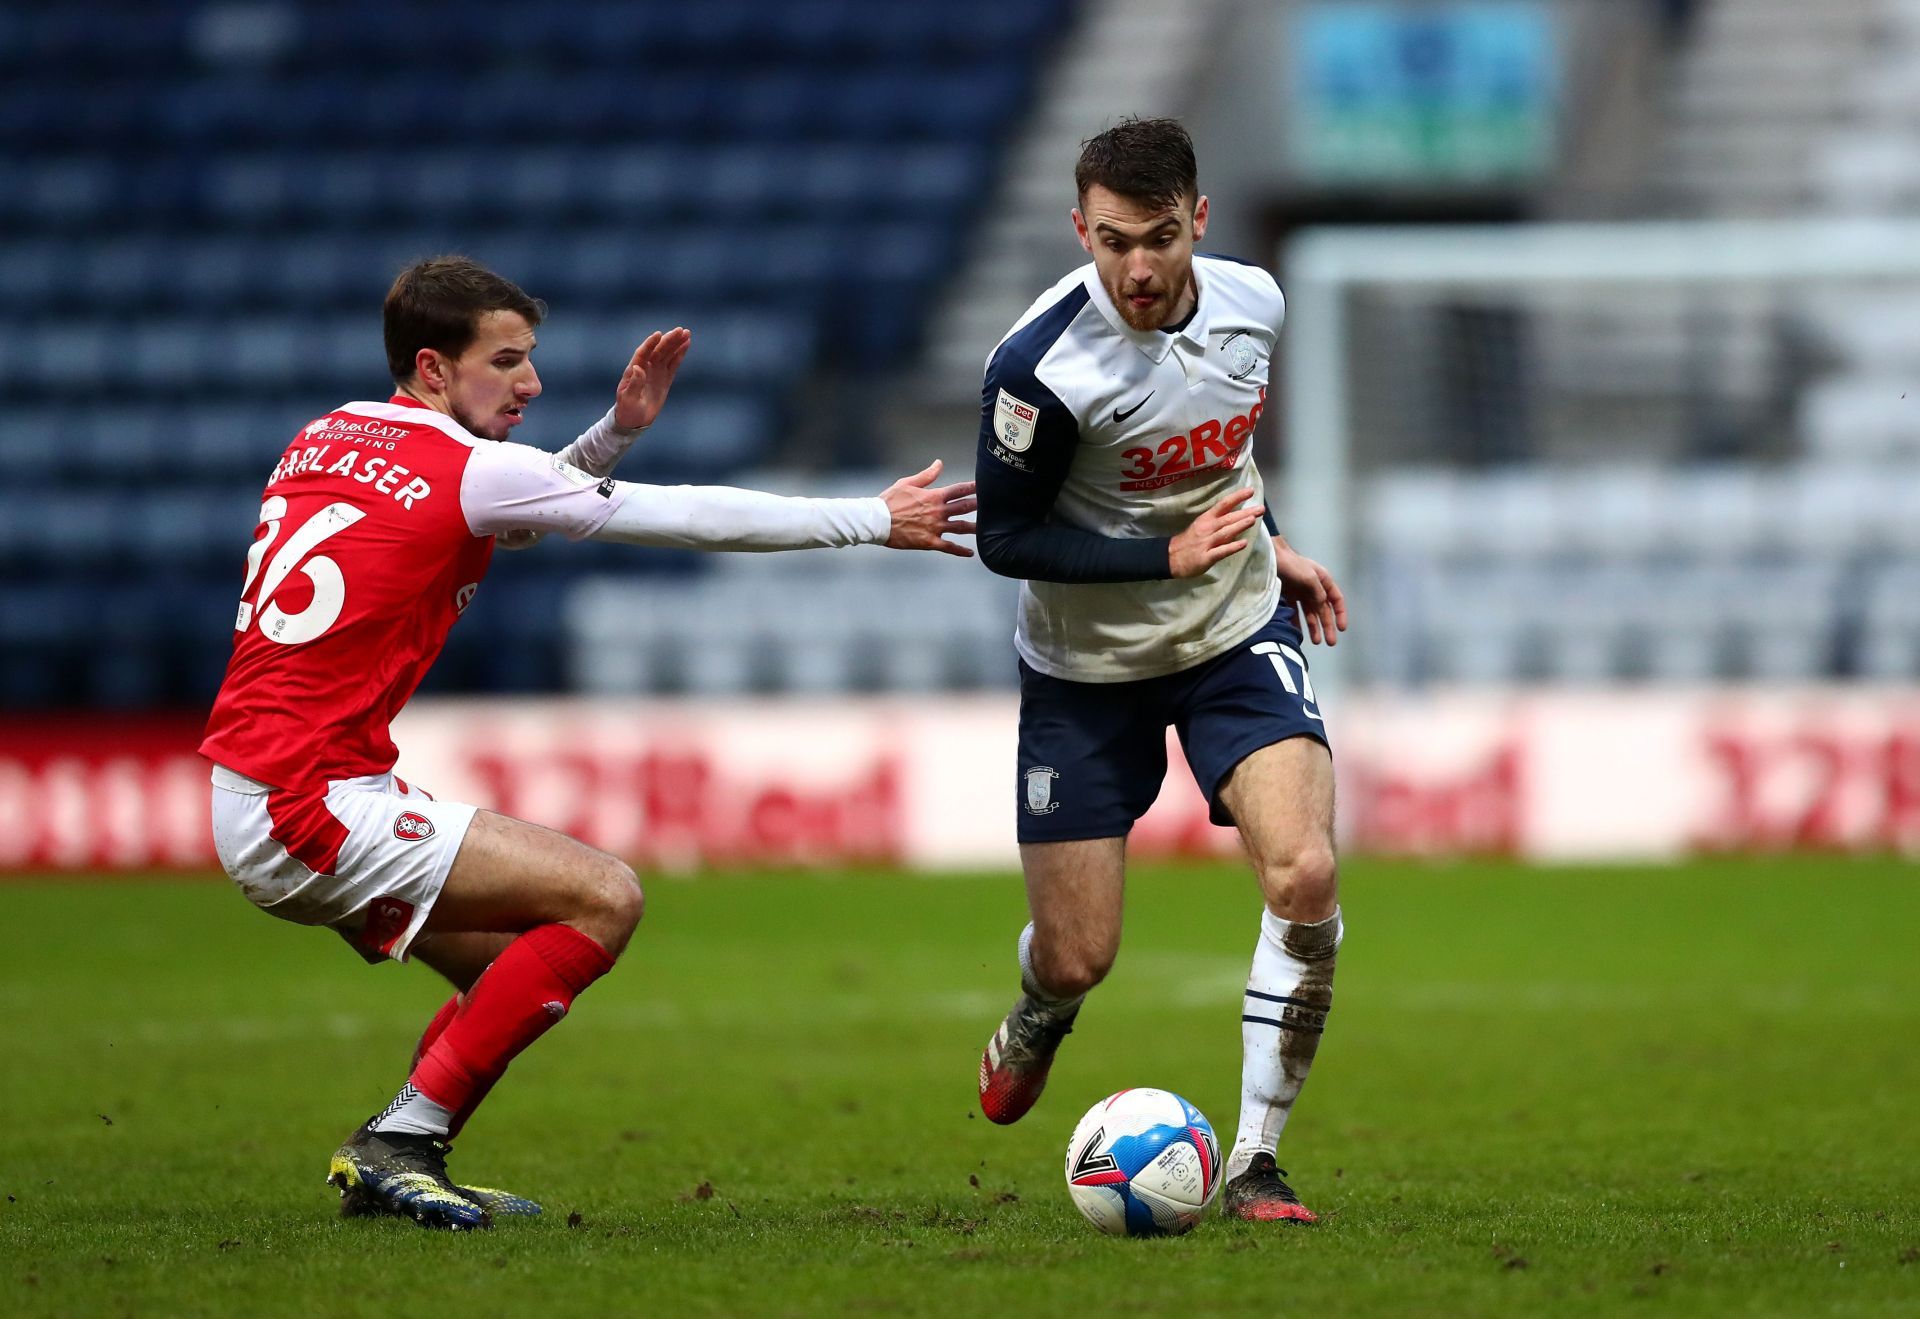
column 1214, row 535
column 1311, row 588
column 924, row 514
column 648, row 377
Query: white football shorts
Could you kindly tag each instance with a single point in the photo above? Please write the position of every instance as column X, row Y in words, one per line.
column 367, row 856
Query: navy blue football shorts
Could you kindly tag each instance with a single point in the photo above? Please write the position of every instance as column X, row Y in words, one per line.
column 1093, row 755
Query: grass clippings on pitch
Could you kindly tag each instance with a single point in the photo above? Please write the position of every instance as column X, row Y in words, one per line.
column 1685, row 1090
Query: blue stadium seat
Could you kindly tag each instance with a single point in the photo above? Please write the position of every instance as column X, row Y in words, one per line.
column 770, row 107
column 173, row 354
column 116, row 273
column 214, row 274
column 35, row 450
column 119, row 670
column 716, row 27
column 73, row 188
column 81, row 529
column 33, row 271
column 817, row 31
column 198, row 243
column 262, row 350
column 646, row 177
column 704, row 439
column 674, row 105
column 71, row 357
column 44, row 631
column 617, row 35
column 933, row 176
column 35, row 115
column 125, row 444
column 234, row 442
column 252, row 187
column 197, row 531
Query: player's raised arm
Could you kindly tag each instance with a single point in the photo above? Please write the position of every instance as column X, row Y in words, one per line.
column 637, row 401
column 641, row 394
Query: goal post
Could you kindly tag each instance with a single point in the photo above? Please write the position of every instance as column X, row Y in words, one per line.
column 1567, row 351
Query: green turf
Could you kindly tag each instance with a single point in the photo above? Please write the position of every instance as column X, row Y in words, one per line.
column 1660, row 1091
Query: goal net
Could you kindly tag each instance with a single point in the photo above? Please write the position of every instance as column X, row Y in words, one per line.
column 1650, row 452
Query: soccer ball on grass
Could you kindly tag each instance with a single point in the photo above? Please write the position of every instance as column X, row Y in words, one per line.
column 1143, row 1163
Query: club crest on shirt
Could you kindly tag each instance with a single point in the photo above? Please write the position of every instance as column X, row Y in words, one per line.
column 1241, row 355
column 1013, row 422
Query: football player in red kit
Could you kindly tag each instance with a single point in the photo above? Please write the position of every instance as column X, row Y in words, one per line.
column 375, row 530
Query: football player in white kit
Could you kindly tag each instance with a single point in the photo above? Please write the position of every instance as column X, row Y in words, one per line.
column 1116, row 480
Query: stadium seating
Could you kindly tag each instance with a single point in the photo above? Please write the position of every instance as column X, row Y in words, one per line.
column 203, row 205
column 795, row 624
column 1714, row 572
column 1753, row 515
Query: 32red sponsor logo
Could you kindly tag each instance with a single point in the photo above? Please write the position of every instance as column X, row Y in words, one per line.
column 412, row 828
column 1212, row 446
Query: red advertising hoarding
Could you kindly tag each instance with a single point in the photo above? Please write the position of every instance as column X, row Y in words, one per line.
column 933, row 784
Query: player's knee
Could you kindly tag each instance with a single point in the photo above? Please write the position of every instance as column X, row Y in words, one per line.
column 1303, row 886
column 1072, row 971
column 617, row 903
column 626, row 901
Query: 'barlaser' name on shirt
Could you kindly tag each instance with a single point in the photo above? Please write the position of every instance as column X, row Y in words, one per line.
column 382, row 474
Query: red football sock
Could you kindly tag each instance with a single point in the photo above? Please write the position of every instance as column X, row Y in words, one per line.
column 528, row 988
column 441, row 1019
column 474, row 1100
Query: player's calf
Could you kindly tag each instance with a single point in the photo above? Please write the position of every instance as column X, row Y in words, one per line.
column 529, row 988
column 1016, row 1061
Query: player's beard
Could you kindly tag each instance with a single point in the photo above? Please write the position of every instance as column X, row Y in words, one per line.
column 1149, row 318
column 484, row 430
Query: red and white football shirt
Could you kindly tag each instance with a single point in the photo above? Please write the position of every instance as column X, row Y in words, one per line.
column 375, row 530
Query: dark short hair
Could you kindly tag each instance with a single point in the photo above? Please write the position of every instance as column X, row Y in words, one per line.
column 437, row 303
column 1148, row 160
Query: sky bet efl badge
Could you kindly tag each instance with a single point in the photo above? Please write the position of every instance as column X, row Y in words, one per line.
column 1013, row 422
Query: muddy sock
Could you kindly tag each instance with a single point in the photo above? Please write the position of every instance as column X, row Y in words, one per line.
column 1289, row 992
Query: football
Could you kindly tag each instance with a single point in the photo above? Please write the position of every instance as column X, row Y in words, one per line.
column 1143, row 1163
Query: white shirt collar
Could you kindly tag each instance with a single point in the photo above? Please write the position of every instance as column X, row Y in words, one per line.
column 1156, row 344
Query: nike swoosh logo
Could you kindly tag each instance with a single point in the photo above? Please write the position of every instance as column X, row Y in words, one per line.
column 1120, row 416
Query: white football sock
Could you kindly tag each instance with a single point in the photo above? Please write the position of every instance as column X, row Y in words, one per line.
column 1053, row 1003
column 1289, row 992
column 413, row 1112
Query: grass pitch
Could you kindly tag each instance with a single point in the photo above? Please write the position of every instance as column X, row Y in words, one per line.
column 1684, row 1090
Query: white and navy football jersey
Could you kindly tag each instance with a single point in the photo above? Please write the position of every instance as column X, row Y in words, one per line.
column 1098, row 444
